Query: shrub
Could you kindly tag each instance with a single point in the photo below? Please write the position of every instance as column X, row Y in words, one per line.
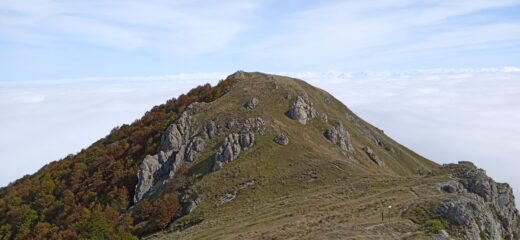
column 434, row 226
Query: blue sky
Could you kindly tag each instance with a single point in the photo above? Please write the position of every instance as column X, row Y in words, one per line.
column 54, row 39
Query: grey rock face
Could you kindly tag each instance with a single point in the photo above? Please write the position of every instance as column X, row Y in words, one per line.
column 179, row 144
column 370, row 153
column 231, row 123
column 210, row 129
column 235, row 143
column 254, row 124
column 482, row 207
column 338, row 135
column 231, row 148
column 281, row 139
column 251, row 104
column 148, row 167
column 302, row 110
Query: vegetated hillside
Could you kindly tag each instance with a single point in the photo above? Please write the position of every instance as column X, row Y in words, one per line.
column 259, row 156
column 85, row 194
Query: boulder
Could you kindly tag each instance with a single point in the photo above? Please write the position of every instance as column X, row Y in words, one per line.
column 251, row 104
column 338, row 135
column 370, row 153
column 231, row 123
column 227, row 197
column 302, row 110
column 281, row 139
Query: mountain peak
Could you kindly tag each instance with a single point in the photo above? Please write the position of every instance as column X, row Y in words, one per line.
column 258, row 156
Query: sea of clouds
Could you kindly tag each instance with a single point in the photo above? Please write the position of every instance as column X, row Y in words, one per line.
column 444, row 115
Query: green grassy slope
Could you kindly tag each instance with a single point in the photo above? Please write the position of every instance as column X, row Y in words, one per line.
column 300, row 187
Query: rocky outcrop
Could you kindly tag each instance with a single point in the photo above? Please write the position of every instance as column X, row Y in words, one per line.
column 231, row 195
column 235, row 143
column 338, row 135
column 370, row 153
column 231, row 148
column 189, row 201
column 370, row 135
column 478, row 206
column 210, row 129
column 231, row 123
column 179, row 143
column 251, row 104
column 302, row 110
column 281, row 139
column 254, row 124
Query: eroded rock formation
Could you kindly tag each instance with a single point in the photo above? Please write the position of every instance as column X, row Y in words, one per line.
column 372, row 155
column 251, row 104
column 179, row 143
column 235, row 143
column 231, row 148
column 480, row 207
column 338, row 135
column 302, row 110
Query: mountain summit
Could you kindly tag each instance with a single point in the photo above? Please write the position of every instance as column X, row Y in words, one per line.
column 258, row 156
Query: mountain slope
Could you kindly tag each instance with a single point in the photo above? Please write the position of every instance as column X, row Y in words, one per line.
column 259, row 156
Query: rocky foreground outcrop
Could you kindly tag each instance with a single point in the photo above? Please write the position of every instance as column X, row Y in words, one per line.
column 478, row 207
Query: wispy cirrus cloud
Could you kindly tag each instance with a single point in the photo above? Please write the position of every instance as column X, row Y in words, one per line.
column 181, row 27
column 60, row 38
column 377, row 34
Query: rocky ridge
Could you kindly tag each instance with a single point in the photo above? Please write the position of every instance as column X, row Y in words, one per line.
column 179, row 143
column 477, row 206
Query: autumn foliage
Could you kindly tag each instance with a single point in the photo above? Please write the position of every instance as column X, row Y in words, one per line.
column 87, row 195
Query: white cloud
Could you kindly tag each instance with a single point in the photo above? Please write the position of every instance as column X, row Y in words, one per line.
column 180, row 27
column 45, row 121
column 446, row 115
column 360, row 34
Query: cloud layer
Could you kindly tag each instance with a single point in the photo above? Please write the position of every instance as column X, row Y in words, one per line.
column 444, row 115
